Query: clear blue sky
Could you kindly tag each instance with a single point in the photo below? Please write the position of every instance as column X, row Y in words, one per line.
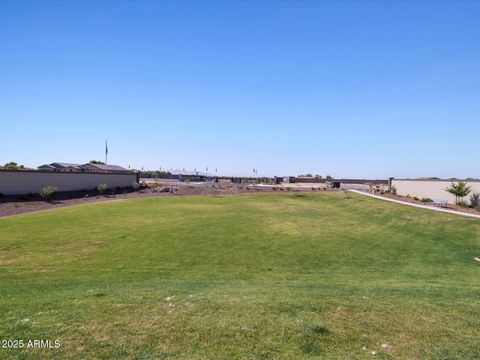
column 351, row 89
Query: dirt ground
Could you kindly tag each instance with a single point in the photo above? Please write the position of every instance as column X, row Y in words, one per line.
column 19, row 204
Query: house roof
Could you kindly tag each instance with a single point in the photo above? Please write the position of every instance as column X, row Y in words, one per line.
column 47, row 166
column 64, row 165
column 106, row 167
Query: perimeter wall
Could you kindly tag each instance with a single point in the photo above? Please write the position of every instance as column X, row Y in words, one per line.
column 23, row 181
column 433, row 189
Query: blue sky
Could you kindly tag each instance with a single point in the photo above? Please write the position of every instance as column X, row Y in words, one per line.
column 350, row 89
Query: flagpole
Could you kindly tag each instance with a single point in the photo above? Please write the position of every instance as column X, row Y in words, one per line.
column 106, row 151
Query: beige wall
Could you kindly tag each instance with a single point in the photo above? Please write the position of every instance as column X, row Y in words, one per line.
column 23, row 182
column 433, row 189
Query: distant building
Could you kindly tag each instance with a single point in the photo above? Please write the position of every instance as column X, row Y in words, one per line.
column 103, row 168
column 58, row 166
column 199, row 176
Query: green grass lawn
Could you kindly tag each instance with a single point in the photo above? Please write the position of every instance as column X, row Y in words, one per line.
column 264, row 276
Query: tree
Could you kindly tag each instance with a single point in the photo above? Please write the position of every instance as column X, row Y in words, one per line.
column 460, row 190
column 96, row 162
column 328, row 178
column 13, row 166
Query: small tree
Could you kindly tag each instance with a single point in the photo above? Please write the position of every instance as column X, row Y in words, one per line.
column 96, row 162
column 47, row 191
column 460, row 190
column 101, row 188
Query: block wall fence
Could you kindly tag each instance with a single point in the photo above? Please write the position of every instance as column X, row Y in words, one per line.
column 14, row 182
column 433, row 189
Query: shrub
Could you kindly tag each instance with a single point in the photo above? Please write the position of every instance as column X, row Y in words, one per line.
column 393, row 190
column 47, row 191
column 1, row 195
column 102, row 187
column 135, row 185
column 475, row 200
column 415, row 198
column 477, row 208
column 426, row 200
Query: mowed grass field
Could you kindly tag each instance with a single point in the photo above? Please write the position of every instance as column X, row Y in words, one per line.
column 264, row 276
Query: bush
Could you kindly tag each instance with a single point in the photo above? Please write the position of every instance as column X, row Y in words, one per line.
column 135, row 185
column 426, row 200
column 1, row 195
column 393, row 190
column 102, row 187
column 47, row 191
column 415, row 198
column 475, row 200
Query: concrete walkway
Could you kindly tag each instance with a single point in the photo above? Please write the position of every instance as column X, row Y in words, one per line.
column 417, row 205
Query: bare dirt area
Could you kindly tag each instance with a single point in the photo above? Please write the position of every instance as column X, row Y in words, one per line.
column 20, row 204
